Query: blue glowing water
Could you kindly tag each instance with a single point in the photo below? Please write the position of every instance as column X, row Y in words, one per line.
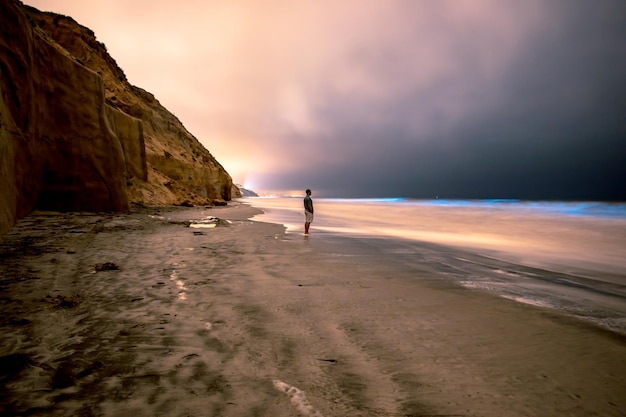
column 592, row 208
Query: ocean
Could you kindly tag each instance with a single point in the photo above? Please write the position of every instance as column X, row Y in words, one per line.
column 567, row 256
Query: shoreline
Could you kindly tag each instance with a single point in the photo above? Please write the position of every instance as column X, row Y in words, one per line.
column 245, row 319
column 590, row 294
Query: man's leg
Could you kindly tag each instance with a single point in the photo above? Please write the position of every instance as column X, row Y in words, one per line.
column 306, row 228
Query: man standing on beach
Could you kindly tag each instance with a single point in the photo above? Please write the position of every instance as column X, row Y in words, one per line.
column 308, row 211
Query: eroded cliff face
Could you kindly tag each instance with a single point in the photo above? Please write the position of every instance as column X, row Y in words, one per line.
column 57, row 150
column 75, row 135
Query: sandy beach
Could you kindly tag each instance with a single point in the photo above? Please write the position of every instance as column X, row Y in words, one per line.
column 142, row 315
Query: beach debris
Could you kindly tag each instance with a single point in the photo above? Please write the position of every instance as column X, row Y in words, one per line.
column 190, row 356
column 327, row 360
column 71, row 251
column 62, row 301
column 107, row 266
column 209, row 222
column 298, row 398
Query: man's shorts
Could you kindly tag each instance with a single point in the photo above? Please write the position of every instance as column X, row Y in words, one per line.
column 308, row 216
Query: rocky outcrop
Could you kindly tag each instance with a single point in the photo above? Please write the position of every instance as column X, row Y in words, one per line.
column 75, row 135
column 57, row 150
column 247, row 193
column 129, row 131
column 188, row 168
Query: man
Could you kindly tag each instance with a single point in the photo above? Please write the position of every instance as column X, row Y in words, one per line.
column 308, row 211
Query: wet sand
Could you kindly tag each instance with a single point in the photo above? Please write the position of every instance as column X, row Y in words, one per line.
column 142, row 315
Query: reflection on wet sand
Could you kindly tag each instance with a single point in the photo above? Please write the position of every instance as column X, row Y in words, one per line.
column 569, row 256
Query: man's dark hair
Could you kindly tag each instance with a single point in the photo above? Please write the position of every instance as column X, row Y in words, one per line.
column 308, row 191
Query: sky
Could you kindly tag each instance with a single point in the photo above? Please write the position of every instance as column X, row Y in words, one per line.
column 387, row 98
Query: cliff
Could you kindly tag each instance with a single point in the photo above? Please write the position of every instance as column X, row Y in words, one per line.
column 75, row 135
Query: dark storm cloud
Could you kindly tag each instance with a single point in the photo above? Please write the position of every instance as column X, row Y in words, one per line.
column 417, row 98
column 551, row 126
